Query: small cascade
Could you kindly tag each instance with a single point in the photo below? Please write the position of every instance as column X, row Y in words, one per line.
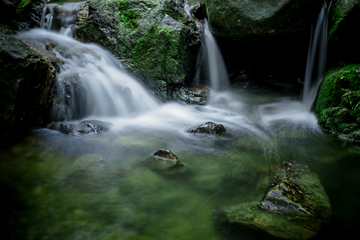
column 214, row 64
column 92, row 81
column 210, row 59
column 316, row 60
column 60, row 18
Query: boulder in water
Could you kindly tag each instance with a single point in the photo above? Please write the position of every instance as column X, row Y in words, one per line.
column 84, row 127
column 165, row 154
column 165, row 162
column 209, row 128
column 295, row 206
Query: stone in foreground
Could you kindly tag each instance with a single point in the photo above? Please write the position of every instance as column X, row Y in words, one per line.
column 209, row 128
column 295, row 206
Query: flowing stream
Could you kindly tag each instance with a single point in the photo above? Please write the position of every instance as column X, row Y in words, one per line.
column 57, row 186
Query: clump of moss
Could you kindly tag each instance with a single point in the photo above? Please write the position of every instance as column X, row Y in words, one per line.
column 338, row 100
column 128, row 16
column 157, row 52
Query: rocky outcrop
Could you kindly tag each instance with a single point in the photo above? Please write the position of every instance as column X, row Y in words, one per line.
column 27, row 74
column 294, row 207
column 209, row 128
column 337, row 104
column 251, row 19
column 155, row 39
column 345, row 16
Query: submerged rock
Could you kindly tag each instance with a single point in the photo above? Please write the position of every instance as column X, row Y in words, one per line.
column 294, row 207
column 90, row 172
column 192, row 95
column 337, row 104
column 85, row 127
column 209, row 128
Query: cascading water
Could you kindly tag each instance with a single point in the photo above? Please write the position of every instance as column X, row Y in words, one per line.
column 316, row 60
column 61, row 18
column 215, row 69
column 91, row 81
column 215, row 66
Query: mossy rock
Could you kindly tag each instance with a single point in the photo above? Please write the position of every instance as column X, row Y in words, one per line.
column 337, row 104
column 251, row 19
column 155, row 39
column 294, row 207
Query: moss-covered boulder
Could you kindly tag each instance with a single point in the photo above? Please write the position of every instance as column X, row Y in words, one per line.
column 251, row 19
column 27, row 74
column 337, row 104
column 294, row 207
column 155, row 39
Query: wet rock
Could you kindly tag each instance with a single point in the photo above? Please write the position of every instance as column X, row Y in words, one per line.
column 240, row 20
column 199, row 11
column 192, row 95
column 294, row 207
column 209, row 128
column 27, row 74
column 165, row 154
column 165, row 162
column 84, row 127
column 139, row 32
column 83, row 13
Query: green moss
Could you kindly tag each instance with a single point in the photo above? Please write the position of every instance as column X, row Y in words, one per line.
column 337, row 101
column 158, row 52
column 128, row 16
column 335, row 84
column 337, row 18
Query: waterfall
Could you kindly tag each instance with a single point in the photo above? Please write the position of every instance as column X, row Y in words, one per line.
column 211, row 58
column 91, row 82
column 60, row 18
column 215, row 66
column 316, row 60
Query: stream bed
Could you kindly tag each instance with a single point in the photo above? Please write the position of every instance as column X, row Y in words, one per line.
column 58, row 186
